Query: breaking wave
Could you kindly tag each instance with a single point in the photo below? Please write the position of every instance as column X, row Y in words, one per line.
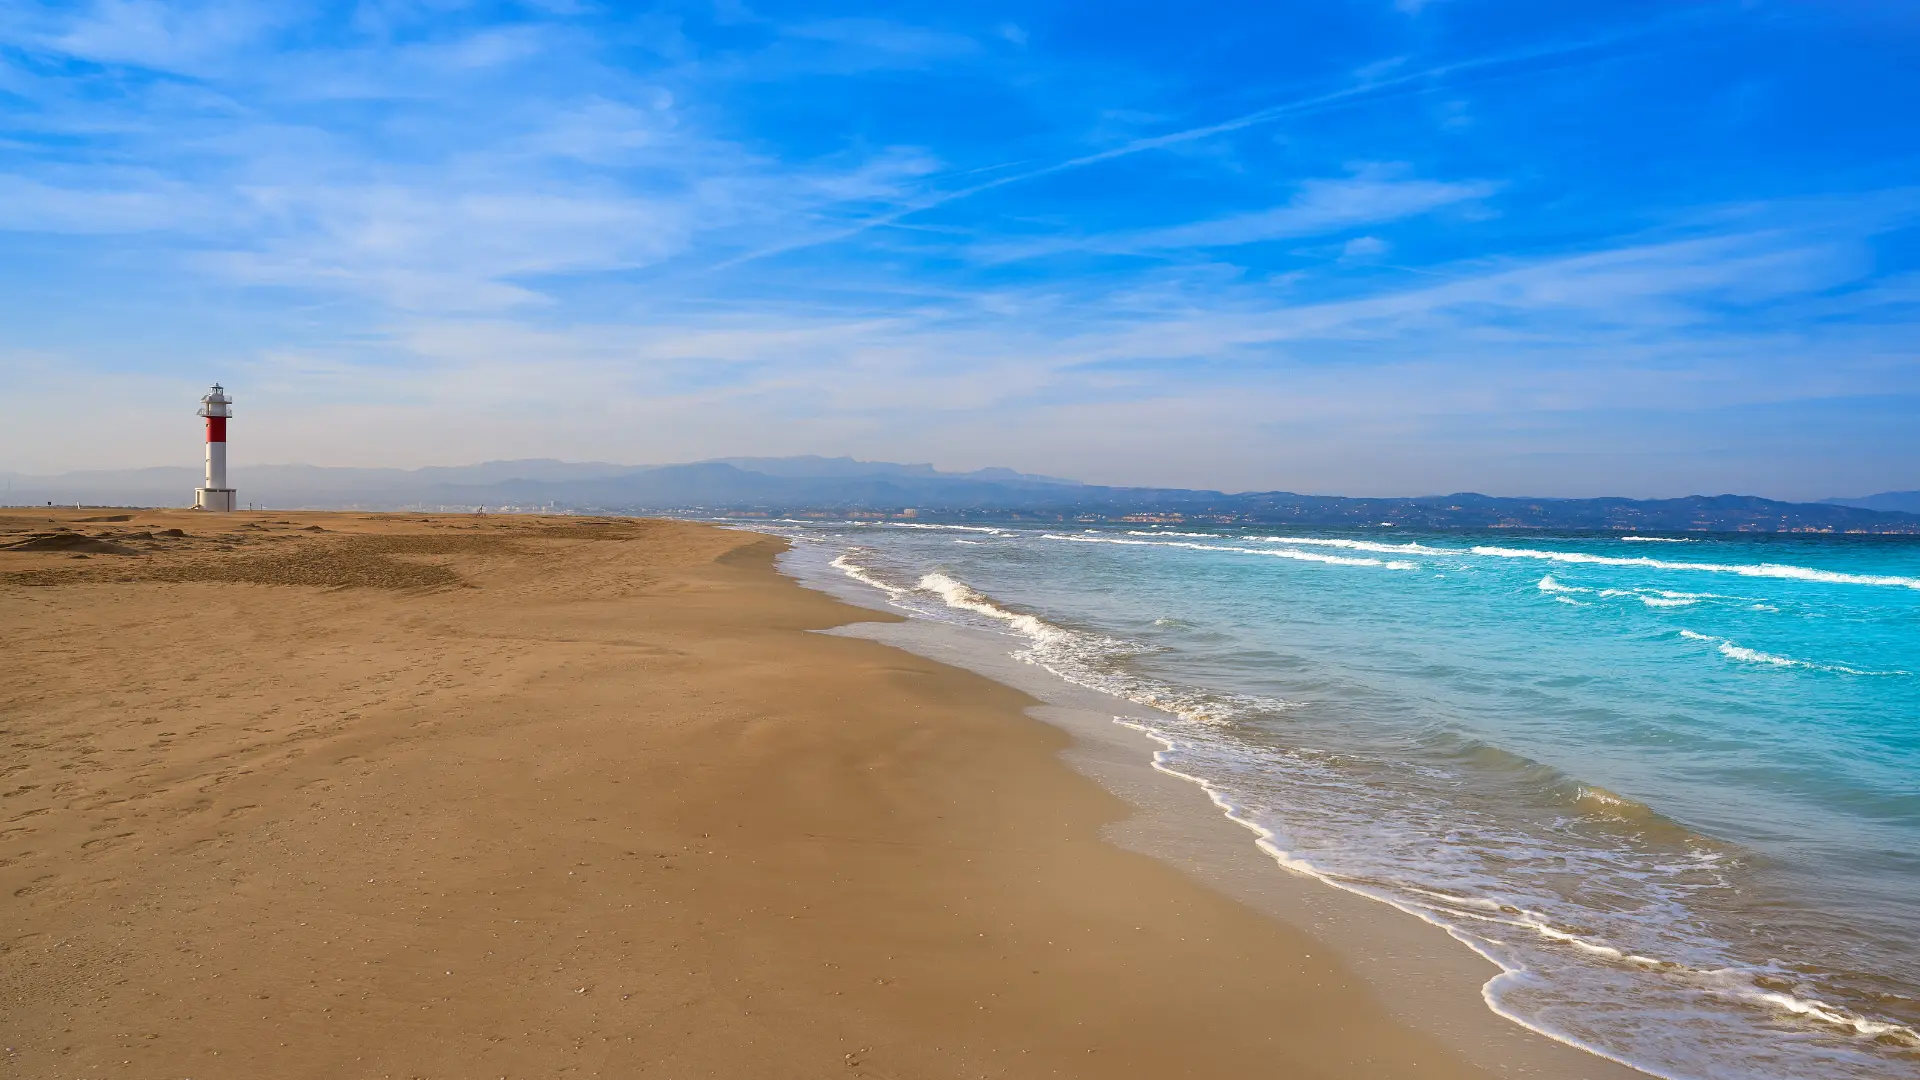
column 1653, row 598
column 845, row 564
column 1754, row 656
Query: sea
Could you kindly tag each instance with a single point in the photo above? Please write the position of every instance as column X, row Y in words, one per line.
column 1669, row 784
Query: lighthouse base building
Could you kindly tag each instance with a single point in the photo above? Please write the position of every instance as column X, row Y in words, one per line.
column 213, row 498
column 217, row 407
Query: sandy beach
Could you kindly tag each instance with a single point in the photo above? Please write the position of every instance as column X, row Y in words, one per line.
column 345, row 795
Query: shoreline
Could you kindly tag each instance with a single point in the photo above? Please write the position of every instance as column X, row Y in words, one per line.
column 1422, row 974
column 1433, row 740
column 443, row 795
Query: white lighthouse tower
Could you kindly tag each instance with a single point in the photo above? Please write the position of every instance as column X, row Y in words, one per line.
column 215, row 495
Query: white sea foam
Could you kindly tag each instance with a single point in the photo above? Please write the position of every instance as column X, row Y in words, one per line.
column 1754, row 656
column 1655, row 598
column 1572, row 601
column 1897, row 1034
column 1759, row 570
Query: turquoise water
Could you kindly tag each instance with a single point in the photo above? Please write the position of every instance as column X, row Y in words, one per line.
column 1672, row 786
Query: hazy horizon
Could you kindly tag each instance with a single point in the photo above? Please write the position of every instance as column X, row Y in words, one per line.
column 1375, row 247
column 193, row 470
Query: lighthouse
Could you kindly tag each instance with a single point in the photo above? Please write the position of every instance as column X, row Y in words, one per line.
column 215, row 495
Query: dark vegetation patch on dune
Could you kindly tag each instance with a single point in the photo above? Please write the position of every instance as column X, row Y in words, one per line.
column 318, row 559
column 603, row 529
column 367, row 562
column 72, row 542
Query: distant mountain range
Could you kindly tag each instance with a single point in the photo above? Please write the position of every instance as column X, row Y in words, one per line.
column 772, row 487
column 1906, row 502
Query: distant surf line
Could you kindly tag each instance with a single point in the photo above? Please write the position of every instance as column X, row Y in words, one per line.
column 1783, row 571
column 1759, row 570
column 1278, row 553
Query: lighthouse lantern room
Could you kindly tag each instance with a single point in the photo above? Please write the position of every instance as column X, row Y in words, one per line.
column 217, row 407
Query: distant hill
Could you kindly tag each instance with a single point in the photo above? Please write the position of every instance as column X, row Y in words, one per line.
column 1907, row 502
column 316, row 486
column 814, row 467
column 774, row 487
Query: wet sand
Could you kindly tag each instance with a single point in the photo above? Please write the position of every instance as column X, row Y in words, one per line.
column 344, row 795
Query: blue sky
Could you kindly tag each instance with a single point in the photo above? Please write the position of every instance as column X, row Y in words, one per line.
column 1346, row 246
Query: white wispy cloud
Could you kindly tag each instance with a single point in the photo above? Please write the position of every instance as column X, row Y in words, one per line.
column 136, row 203
column 1318, row 207
column 187, row 37
column 1592, row 330
column 1322, row 206
column 1370, row 86
column 879, row 39
column 473, row 191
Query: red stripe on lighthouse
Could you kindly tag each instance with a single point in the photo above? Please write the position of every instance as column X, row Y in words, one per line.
column 216, row 429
